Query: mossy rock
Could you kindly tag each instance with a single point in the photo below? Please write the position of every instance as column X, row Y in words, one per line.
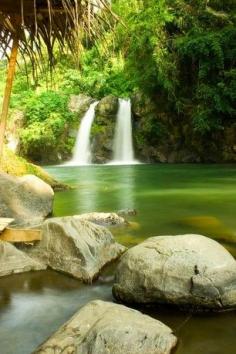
column 17, row 166
column 107, row 108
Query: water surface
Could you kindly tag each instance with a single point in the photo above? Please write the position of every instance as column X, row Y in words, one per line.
column 169, row 199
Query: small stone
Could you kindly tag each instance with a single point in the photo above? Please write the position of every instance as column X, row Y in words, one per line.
column 104, row 219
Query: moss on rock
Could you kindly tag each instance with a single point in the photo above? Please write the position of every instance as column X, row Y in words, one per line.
column 18, row 166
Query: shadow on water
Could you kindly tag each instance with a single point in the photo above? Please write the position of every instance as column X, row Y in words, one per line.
column 34, row 305
column 170, row 199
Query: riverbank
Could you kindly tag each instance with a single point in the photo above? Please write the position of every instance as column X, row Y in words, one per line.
column 18, row 166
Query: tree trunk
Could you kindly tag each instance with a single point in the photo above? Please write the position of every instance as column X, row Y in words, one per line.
column 7, row 94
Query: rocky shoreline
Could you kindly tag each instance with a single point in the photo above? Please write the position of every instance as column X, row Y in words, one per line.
column 187, row 271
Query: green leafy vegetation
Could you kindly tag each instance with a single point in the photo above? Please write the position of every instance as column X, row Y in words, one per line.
column 181, row 54
column 47, row 121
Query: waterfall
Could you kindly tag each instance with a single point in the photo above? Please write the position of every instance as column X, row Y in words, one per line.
column 82, row 151
column 123, row 142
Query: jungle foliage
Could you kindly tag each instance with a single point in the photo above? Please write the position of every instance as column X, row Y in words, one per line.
column 181, row 52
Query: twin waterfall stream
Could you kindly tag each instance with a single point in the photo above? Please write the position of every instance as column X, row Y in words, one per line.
column 123, row 152
column 123, row 142
column 82, row 152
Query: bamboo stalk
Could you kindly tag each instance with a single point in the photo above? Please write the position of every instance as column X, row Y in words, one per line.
column 7, row 94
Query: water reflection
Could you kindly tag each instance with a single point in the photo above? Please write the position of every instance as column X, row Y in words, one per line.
column 93, row 192
column 86, row 194
column 34, row 305
column 125, row 178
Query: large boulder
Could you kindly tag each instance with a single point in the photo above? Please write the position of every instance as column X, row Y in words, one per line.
column 14, row 261
column 104, row 219
column 187, row 270
column 26, row 199
column 107, row 328
column 76, row 247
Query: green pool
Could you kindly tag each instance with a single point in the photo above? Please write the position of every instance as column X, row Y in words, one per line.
column 169, row 199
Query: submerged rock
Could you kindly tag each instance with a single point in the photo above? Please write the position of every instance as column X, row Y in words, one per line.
column 127, row 212
column 104, row 219
column 106, row 328
column 186, row 270
column 26, row 199
column 210, row 225
column 76, row 247
column 14, row 261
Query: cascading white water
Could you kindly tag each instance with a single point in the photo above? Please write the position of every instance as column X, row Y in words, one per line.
column 123, row 141
column 82, row 151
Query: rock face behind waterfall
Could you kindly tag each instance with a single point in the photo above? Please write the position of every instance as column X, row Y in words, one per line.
column 79, row 104
column 186, row 270
column 104, row 129
column 76, row 247
column 107, row 328
column 26, row 199
column 14, row 261
column 171, row 140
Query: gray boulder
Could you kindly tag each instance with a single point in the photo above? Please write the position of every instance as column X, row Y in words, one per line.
column 14, row 261
column 104, row 219
column 76, row 247
column 79, row 103
column 26, row 199
column 107, row 328
column 187, row 270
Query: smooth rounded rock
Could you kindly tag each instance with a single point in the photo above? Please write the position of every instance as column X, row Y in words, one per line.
column 26, row 199
column 187, row 270
column 106, row 328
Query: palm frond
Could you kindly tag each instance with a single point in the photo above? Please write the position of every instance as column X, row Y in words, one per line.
column 38, row 23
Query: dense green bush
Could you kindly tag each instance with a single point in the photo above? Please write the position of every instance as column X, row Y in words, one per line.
column 47, row 121
column 40, row 107
column 209, row 59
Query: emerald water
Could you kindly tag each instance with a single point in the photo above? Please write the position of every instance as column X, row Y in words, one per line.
column 169, row 199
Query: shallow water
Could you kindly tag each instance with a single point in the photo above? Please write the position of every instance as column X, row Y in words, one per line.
column 34, row 305
column 168, row 199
